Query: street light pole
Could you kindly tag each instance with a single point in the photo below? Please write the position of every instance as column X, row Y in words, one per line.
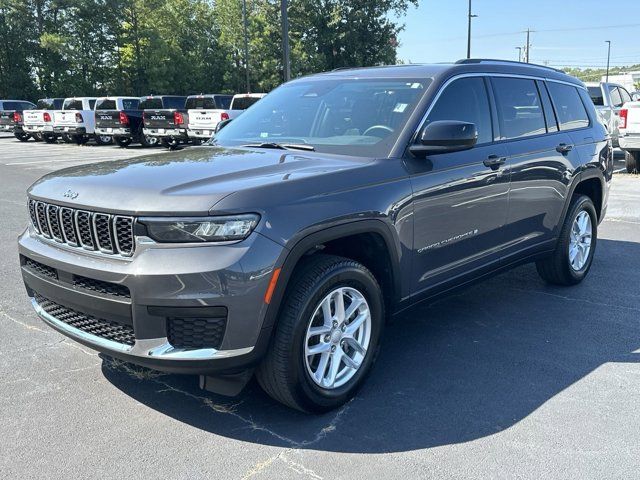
column 470, row 16
column 286, row 63
column 528, row 49
column 519, row 53
column 246, row 43
column 608, row 58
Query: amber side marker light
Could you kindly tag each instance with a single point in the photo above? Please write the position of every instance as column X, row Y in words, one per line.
column 272, row 286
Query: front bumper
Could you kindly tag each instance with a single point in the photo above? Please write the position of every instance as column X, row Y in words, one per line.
column 121, row 132
column 630, row 141
column 70, row 130
column 166, row 132
column 161, row 278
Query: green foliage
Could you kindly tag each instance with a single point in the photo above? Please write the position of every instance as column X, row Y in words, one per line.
column 596, row 74
column 138, row 47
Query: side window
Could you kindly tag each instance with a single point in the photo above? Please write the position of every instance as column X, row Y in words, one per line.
column 465, row 100
column 549, row 114
column 625, row 95
column 616, row 99
column 519, row 107
column 569, row 107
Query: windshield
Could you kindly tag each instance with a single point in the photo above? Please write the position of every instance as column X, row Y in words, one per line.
column 361, row 117
column 596, row 96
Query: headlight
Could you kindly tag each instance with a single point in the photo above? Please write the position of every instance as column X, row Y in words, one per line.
column 212, row 229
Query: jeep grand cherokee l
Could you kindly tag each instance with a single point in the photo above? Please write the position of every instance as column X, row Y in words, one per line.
column 335, row 202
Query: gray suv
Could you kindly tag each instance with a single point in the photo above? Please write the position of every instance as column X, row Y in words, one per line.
column 282, row 246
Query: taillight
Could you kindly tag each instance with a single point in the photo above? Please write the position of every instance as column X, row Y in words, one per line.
column 79, row 118
column 623, row 118
column 178, row 119
column 124, row 119
column 17, row 117
column 46, row 117
column 224, row 116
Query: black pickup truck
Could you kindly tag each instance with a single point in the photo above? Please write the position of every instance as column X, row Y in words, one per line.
column 165, row 118
column 11, row 119
column 121, row 118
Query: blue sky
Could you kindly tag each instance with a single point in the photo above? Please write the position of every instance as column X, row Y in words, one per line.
column 566, row 32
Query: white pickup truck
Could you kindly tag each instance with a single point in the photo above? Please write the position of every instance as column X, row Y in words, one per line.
column 205, row 112
column 77, row 119
column 629, row 127
column 39, row 122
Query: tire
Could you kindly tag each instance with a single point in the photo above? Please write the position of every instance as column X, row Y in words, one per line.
column 122, row 142
column 103, row 140
column 285, row 371
column 23, row 137
column 49, row 138
column 196, row 141
column 79, row 139
column 38, row 137
column 169, row 142
column 66, row 138
column 147, row 141
column 558, row 269
column 632, row 161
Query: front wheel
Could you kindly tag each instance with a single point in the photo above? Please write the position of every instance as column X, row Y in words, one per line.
column 570, row 262
column 327, row 335
column 23, row 137
column 632, row 161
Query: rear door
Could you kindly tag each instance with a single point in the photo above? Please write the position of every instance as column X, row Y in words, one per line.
column 461, row 198
column 542, row 159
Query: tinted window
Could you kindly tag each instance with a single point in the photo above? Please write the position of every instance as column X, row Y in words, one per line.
column 92, row 103
column 465, row 100
column 519, row 108
column 72, row 105
column 19, row 106
column 130, row 103
column 174, row 102
column 549, row 114
column 625, row 95
column 224, row 101
column 46, row 104
column 616, row 99
column 569, row 107
column 596, row 96
column 151, row 103
column 242, row 103
column 200, row 103
column 106, row 104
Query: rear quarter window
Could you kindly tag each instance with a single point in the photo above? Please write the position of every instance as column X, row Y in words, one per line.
column 570, row 110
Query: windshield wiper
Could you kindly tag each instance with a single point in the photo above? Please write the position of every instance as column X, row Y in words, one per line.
column 282, row 146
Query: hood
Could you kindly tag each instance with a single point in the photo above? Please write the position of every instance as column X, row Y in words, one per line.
column 189, row 182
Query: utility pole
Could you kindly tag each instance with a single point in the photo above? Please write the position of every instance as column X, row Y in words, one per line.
column 246, row 43
column 519, row 53
column 470, row 16
column 608, row 58
column 528, row 48
column 286, row 63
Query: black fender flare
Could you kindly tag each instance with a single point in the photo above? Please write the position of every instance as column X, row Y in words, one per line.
column 585, row 174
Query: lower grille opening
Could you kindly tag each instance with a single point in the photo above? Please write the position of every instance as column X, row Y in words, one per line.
column 40, row 269
column 196, row 332
column 95, row 326
column 100, row 286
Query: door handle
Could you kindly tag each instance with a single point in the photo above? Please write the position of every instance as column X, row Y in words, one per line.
column 494, row 161
column 564, row 148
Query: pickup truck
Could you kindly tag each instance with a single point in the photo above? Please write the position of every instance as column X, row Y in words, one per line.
column 608, row 99
column 121, row 118
column 11, row 117
column 165, row 118
column 77, row 119
column 205, row 112
column 39, row 122
column 630, row 135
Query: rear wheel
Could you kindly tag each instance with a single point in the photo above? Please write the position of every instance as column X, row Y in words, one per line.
column 38, row 137
column 147, row 141
column 327, row 336
column 570, row 262
column 80, row 139
column 49, row 137
column 103, row 140
column 122, row 141
column 632, row 161
column 22, row 136
column 196, row 141
column 169, row 142
column 66, row 138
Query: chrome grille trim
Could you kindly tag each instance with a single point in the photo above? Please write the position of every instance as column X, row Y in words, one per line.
column 93, row 231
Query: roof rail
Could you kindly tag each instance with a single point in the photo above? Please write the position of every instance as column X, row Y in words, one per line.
column 511, row 62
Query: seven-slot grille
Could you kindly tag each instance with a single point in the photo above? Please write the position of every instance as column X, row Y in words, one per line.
column 110, row 234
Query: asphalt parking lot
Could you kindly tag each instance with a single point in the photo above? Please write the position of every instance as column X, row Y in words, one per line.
column 508, row 379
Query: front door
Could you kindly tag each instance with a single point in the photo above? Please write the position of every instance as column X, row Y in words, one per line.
column 461, row 198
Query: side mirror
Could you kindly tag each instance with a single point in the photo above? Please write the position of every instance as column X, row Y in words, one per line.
column 444, row 136
column 223, row 124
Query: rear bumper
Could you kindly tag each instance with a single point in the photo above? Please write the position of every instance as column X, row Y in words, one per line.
column 108, row 131
column 201, row 132
column 166, row 132
column 162, row 282
column 38, row 128
column 630, row 141
column 6, row 128
column 70, row 130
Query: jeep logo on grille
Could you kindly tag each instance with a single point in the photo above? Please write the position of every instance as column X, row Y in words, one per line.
column 70, row 194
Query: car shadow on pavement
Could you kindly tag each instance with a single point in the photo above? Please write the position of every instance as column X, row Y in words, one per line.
column 465, row 367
